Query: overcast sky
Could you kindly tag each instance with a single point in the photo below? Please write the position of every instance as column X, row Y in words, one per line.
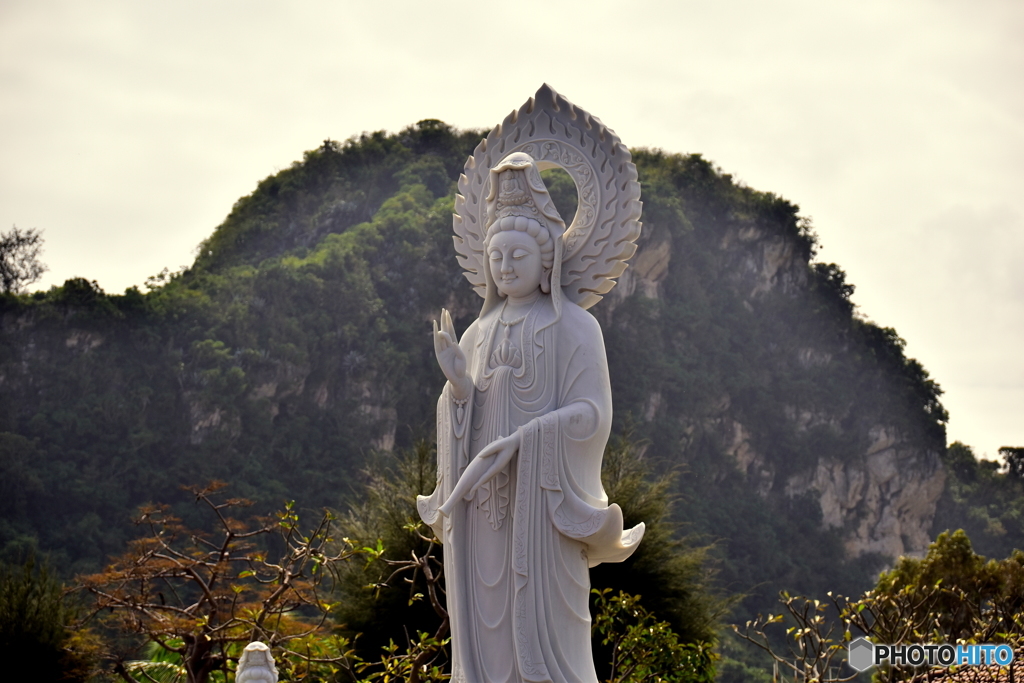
column 128, row 129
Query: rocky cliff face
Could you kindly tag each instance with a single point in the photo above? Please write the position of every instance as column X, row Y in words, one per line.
column 881, row 494
column 884, row 501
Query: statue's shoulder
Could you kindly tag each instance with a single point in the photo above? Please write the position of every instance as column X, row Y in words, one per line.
column 473, row 332
column 579, row 322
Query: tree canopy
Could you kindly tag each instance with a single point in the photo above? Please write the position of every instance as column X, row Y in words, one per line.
column 19, row 259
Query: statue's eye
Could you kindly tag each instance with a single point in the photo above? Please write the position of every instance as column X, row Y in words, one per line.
column 495, row 255
column 520, row 253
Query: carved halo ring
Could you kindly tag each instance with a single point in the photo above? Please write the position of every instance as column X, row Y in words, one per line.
column 556, row 133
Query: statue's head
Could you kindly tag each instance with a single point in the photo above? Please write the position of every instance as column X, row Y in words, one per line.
column 256, row 665
column 524, row 229
column 520, row 254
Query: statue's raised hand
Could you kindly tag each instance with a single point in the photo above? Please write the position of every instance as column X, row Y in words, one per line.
column 450, row 357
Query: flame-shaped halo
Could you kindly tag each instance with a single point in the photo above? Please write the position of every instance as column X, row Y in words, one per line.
column 557, row 133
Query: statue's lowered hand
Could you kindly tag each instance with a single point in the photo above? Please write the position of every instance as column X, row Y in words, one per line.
column 485, row 465
column 450, row 357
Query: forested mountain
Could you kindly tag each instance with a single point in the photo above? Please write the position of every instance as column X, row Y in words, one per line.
column 808, row 446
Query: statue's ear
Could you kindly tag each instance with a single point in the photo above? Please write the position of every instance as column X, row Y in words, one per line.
column 545, row 281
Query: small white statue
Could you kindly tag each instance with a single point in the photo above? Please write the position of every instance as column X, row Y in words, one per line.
column 524, row 418
column 256, row 665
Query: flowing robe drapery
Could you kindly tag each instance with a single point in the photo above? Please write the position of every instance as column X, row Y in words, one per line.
column 517, row 555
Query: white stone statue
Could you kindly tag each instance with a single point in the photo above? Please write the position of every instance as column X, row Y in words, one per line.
column 256, row 665
column 524, row 418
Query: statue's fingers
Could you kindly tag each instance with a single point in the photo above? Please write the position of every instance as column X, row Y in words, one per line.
column 438, row 348
column 501, row 454
column 447, row 507
column 458, row 493
column 486, row 452
column 449, row 326
column 487, row 476
column 463, row 488
column 442, row 340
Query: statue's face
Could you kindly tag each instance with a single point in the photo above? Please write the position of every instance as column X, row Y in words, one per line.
column 515, row 263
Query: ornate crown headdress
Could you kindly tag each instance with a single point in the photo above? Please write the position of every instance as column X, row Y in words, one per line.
column 556, row 133
column 511, row 193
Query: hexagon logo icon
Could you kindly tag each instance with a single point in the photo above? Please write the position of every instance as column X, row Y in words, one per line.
column 861, row 654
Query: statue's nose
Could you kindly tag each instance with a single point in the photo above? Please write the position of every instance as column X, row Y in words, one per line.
column 506, row 264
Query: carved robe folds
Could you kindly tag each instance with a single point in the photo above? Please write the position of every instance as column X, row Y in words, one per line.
column 517, row 554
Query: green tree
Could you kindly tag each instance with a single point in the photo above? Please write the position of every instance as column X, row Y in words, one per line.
column 675, row 573
column 644, row 649
column 961, row 594
column 1013, row 460
column 35, row 624
column 19, row 259
column 952, row 595
column 983, row 499
column 381, row 599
